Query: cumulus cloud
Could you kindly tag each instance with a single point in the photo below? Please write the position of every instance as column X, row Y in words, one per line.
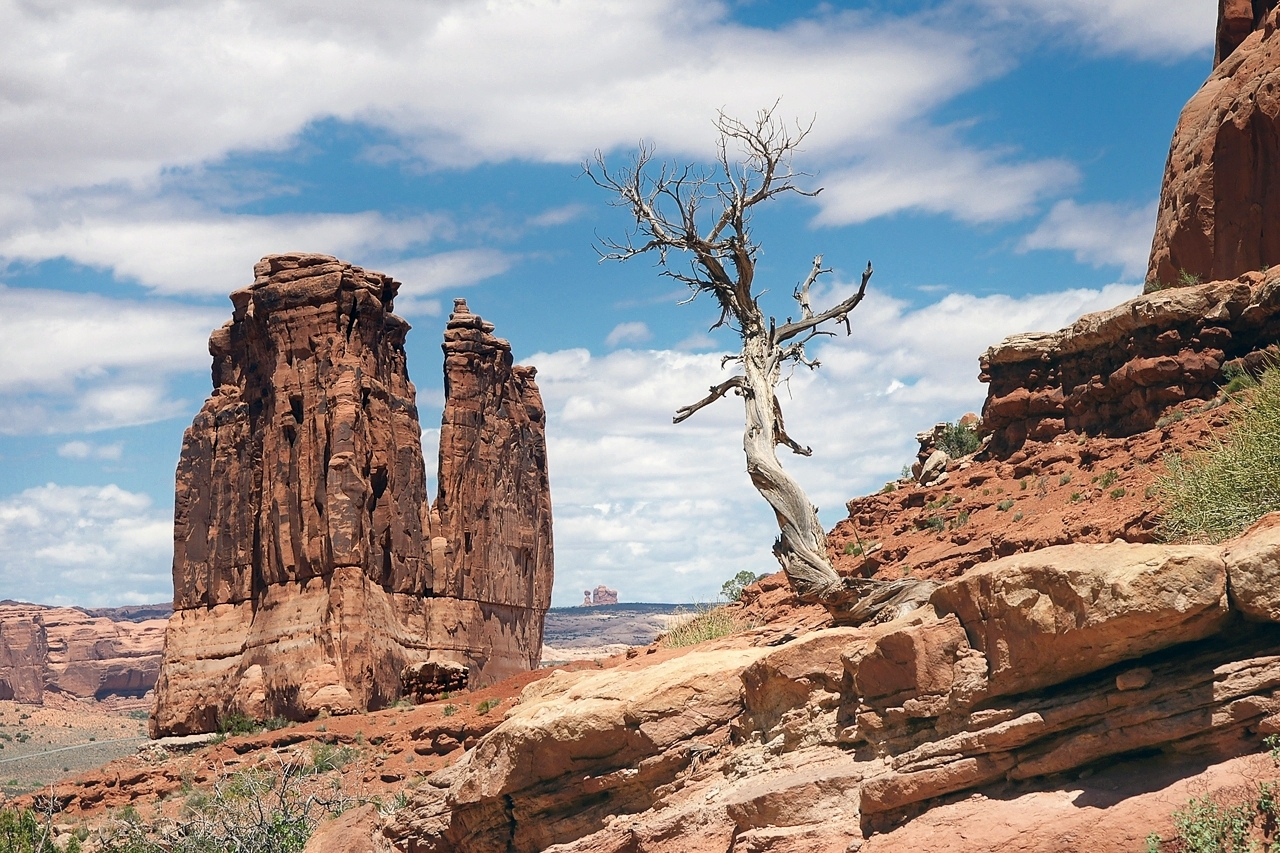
column 175, row 252
column 89, row 450
column 431, row 274
column 1149, row 29
column 128, row 96
column 662, row 511
column 628, row 333
column 76, row 361
column 85, row 545
column 1099, row 234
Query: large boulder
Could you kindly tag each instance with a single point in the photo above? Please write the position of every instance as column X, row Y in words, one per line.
column 1052, row 615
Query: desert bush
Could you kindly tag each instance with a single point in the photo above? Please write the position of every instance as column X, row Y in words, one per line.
column 255, row 811
column 959, row 440
column 24, row 832
column 705, row 623
column 1216, row 493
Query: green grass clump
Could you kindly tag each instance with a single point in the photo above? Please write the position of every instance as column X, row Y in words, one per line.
column 705, row 623
column 487, row 705
column 1238, row 379
column 1004, row 505
column 1217, row 493
column 958, row 440
column 852, row 550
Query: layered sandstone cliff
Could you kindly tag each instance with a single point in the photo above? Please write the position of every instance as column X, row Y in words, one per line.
column 1031, row 667
column 67, row 650
column 307, row 574
column 1114, row 372
column 1220, row 204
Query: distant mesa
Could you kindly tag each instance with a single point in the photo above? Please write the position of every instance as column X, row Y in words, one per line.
column 311, row 574
column 600, row 595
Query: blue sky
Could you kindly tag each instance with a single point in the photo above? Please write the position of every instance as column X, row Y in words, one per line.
column 999, row 161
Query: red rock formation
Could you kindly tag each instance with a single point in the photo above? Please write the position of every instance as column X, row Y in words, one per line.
column 493, row 545
column 1221, row 197
column 1114, row 372
column 65, row 650
column 304, row 577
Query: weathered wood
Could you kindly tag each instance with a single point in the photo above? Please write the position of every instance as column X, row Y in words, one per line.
column 666, row 207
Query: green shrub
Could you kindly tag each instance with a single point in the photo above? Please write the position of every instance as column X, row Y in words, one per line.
column 450, row 710
column 1064, row 479
column 24, row 832
column 1188, row 279
column 731, row 590
column 1117, row 494
column 1237, row 379
column 1107, row 479
column 1215, row 494
column 1005, row 505
column 961, row 519
column 487, row 705
column 958, row 440
column 328, row 756
column 852, row 550
column 251, row 812
column 237, row 724
column 937, row 523
column 705, row 623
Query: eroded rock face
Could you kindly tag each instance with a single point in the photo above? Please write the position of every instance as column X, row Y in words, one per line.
column 306, row 573
column 66, row 650
column 494, row 542
column 1031, row 667
column 1221, row 195
column 1115, row 372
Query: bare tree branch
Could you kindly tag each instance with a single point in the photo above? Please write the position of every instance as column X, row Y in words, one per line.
column 839, row 313
column 717, row 391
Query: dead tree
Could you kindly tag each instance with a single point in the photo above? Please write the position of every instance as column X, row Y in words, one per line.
column 706, row 214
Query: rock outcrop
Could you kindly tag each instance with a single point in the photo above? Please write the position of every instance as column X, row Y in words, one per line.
column 307, row 570
column 1032, row 667
column 1220, row 202
column 66, row 650
column 1115, row 372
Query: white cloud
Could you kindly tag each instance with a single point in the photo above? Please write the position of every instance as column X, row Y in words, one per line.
column 85, row 545
column 1099, row 234
column 89, row 450
column 666, row 512
column 119, row 96
column 1149, row 29
column 933, row 176
column 76, row 361
column 628, row 333
column 431, row 274
column 209, row 254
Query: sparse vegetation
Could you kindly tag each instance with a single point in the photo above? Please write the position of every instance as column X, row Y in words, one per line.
column 959, row 440
column 852, row 549
column 1107, row 479
column 1188, row 279
column 1005, row 505
column 256, row 811
column 450, row 710
column 961, row 519
column 1075, row 497
column 936, row 523
column 1217, row 493
column 327, row 756
column 1017, row 516
column 1237, row 379
column 1064, row 479
column 487, row 705
column 1117, row 494
column 705, row 623
column 24, row 832
column 732, row 589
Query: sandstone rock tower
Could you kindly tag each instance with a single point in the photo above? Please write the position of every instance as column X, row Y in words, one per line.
column 1220, row 205
column 306, row 573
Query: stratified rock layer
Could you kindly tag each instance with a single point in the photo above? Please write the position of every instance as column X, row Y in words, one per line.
column 1220, row 204
column 66, row 650
column 1031, row 667
column 494, row 503
column 1115, row 372
column 304, row 578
